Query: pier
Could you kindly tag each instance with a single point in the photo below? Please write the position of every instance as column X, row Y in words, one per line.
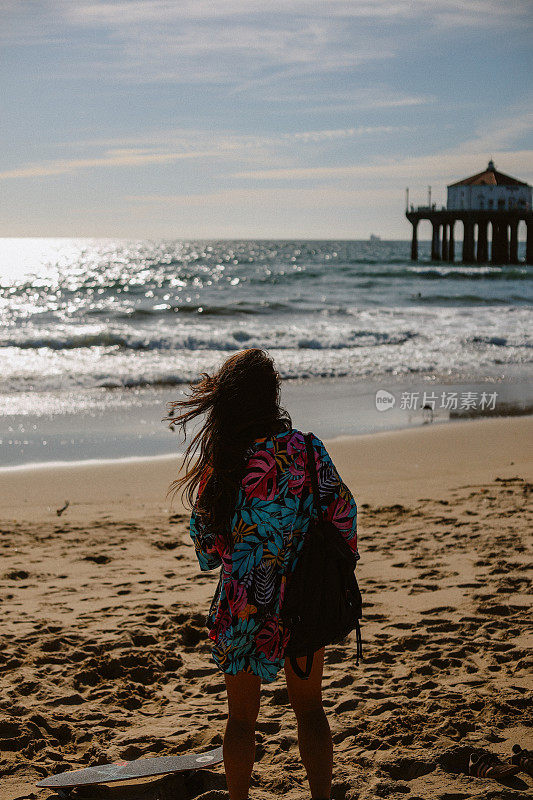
column 475, row 248
column 488, row 199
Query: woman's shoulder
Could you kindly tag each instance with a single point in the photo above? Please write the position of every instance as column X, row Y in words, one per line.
column 291, row 440
column 270, row 442
column 276, row 448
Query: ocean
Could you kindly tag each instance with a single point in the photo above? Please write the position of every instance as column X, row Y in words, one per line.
column 96, row 335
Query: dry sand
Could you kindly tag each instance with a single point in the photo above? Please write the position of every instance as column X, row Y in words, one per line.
column 104, row 654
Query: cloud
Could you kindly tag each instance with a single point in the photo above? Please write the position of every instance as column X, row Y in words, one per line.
column 230, row 140
column 443, row 166
column 115, row 158
column 243, row 43
column 504, row 131
column 344, row 133
column 493, row 139
column 134, row 12
column 278, row 157
column 182, row 42
column 308, row 99
column 182, row 145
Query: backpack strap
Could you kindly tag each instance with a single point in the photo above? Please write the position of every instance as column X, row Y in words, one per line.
column 311, row 466
column 303, row 673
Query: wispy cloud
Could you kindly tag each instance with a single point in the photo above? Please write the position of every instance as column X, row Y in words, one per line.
column 182, row 42
column 115, row 158
column 189, row 139
column 144, row 11
column 442, row 166
column 504, row 131
column 378, row 96
column 495, row 139
column 238, row 41
column 172, row 146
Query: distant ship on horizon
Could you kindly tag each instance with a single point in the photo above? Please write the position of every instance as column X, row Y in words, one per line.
column 374, row 238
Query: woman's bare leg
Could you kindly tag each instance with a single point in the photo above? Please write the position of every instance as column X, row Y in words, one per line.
column 314, row 735
column 243, row 691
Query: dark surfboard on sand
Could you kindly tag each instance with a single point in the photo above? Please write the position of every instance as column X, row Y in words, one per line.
column 131, row 770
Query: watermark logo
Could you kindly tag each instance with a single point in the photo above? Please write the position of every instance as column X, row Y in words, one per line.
column 384, row 400
column 450, row 401
column 429, row 401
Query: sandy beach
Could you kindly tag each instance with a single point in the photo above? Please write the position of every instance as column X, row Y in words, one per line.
column 104, row 654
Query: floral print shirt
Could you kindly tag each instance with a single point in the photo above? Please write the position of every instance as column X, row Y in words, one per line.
column 271, row 519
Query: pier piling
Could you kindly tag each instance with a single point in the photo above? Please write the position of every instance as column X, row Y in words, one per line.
column 482, row 255
column 445, row 242
column 504, row 225
column 529, row 244
column 435, row 242
column 414, row 242
column 451, row 243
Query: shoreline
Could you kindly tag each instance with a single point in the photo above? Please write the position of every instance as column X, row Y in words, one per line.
column 381, row 467
column 85, row 462
column 130, row 424
column 125, row 460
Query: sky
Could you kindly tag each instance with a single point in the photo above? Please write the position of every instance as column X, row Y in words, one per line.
column 243, row 119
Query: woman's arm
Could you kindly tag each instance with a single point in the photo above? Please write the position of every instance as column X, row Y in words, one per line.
column 336, row 501
column 204, row 542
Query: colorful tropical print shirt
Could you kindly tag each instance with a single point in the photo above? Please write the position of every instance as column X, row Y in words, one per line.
column 271, row 519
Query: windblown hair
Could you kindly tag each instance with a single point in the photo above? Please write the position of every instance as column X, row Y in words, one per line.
column 240, row 403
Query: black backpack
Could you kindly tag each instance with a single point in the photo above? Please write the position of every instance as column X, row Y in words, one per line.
column 322, row 602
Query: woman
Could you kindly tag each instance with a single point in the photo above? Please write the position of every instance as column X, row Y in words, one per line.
column 249, row 490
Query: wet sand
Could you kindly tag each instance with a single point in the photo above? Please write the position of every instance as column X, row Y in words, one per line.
column 104, row 656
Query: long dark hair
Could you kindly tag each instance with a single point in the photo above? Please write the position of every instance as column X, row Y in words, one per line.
column 241, row 403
